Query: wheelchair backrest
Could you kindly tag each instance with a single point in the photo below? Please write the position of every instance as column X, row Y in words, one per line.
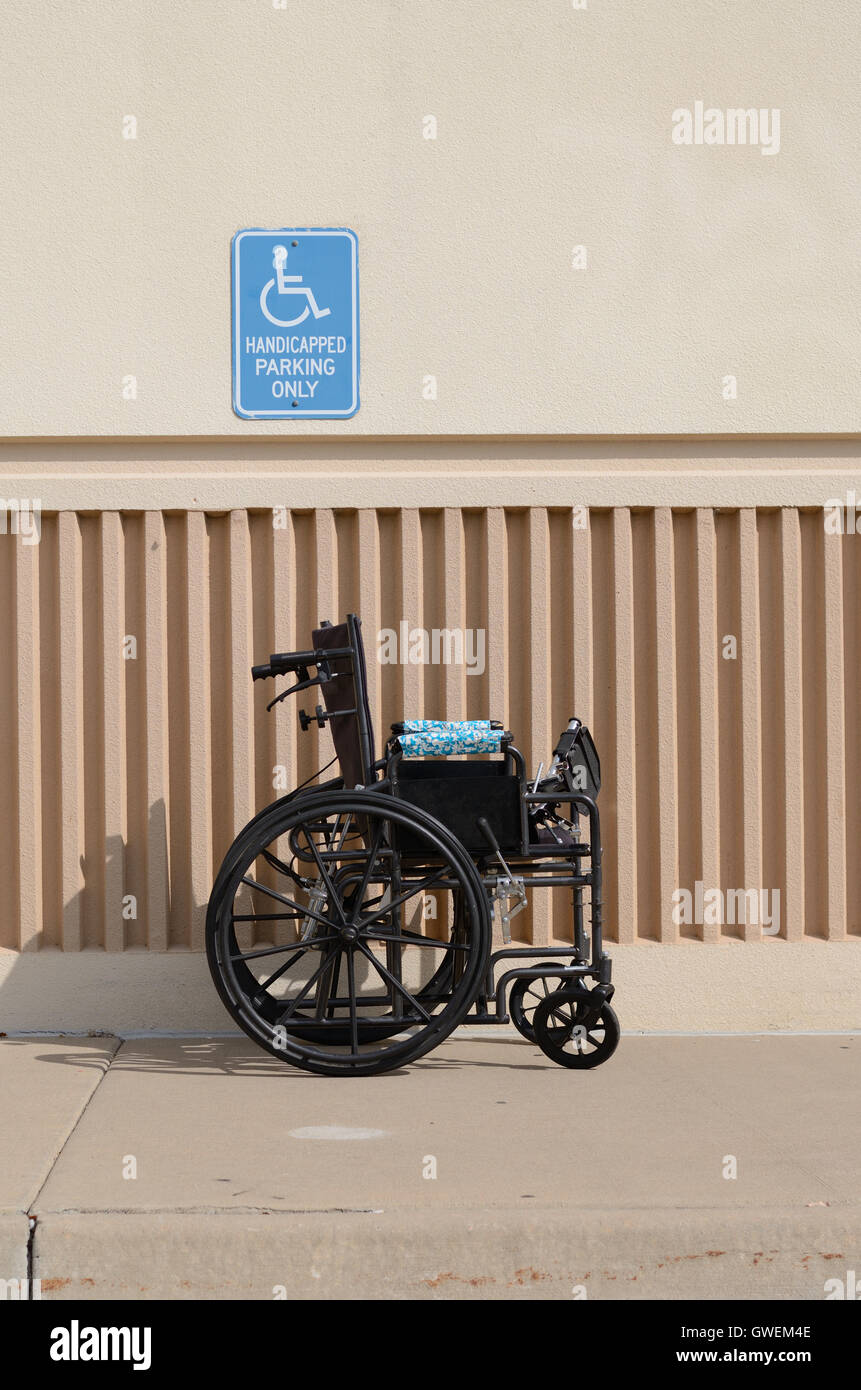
column 347, row 691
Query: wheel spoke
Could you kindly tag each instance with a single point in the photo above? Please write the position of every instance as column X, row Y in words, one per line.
column 409, row 939
column 282, row 969
column 354, row 1016
column 347, row 823
column 288, row 902
column 564, row 1019
column 328, row 986
column 387, row 975
column 334, row 897
column 309, row 983
column 404, row 897
column 366, row 877
column 288, row 946
column 266, row 916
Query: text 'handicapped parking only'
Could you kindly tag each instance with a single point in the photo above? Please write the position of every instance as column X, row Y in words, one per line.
column 282, row 279
column 294, row 376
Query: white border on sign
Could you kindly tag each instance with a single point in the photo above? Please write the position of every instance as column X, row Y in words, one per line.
column 294, row 414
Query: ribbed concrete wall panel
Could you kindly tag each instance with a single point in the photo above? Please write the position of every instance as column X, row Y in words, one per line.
column 728, row 762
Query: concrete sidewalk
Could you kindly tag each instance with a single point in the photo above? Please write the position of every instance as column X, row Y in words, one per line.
column 201, row 1168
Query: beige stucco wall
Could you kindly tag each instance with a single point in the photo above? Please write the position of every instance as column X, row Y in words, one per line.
column 554, row 131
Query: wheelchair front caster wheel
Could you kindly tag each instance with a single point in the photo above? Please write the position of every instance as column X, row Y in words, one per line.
column 527, row 994
column 570, row 1033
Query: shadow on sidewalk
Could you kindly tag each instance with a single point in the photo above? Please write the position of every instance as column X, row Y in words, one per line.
column 234, row 1056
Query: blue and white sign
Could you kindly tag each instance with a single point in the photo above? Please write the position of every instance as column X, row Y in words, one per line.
column 295, row 323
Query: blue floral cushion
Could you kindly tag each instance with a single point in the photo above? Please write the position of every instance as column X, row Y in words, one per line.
column 422, row 726
column 440, row 738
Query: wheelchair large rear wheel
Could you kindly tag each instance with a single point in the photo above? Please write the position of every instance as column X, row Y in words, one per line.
column 320, row 940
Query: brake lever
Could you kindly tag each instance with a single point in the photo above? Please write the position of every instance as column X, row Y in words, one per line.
column 304, row 683
column 279, row 698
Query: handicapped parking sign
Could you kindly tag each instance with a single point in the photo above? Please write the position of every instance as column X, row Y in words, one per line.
column 295, row 323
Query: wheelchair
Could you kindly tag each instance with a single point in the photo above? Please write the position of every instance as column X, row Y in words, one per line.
column 349, row 927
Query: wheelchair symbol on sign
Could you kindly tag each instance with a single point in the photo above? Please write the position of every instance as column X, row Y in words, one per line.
column 289, row 284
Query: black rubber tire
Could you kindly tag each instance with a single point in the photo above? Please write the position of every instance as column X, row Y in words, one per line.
column 257, row 1012
column 526, row 995
column 556, row 1019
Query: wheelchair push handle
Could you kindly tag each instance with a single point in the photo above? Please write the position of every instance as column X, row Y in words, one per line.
column 282, row 663
column 567, row 740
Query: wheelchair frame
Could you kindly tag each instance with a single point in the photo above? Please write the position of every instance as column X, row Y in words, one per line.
column 573, row 1024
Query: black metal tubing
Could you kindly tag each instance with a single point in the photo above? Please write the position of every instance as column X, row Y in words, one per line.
column 287, row 661
column 576, row 880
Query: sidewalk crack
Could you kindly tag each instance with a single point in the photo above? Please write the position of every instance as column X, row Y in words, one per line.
column 84, row 1108
column 31, row 1237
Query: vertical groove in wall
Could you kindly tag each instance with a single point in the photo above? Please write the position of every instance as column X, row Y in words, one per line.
column 96, row 851
column 494, row 560
column 705, row 657
column 539, row 655
column 114, row 729
column 50, row 700
column 159, row 868
column 624, row 867
column 600, row 583
column 8, row 744
column 70, row 772
column 242, row 705
column 771, row 716
column 454, row 609
column 714, row 655
column 644, row 726
column 29, row 759
column 851, row 647
column 729, row 679
column 665, row 840
column 476, row 696
column 834, row 733
column 813, row 756
column 180, row 908
column 687, row 686
column 403, row 603
column 218, row 680
column 328, row 583
column 748, row 734
column 560, row 702
column 792, row 905
column 366, row 600
column 199, row 723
